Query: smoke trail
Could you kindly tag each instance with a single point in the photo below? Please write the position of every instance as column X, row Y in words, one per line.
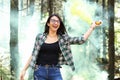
column 79, row 14
column 4, row 24
column 27, row 33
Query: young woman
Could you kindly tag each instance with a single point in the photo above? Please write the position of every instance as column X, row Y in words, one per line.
column 52, row 49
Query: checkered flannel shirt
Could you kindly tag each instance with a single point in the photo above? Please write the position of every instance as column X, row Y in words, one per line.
column 64, row 42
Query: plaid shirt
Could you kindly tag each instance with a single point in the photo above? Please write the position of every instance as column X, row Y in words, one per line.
column 64, row 42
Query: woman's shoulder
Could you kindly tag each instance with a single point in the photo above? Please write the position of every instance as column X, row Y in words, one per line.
column 65, row 36
column 39, row 35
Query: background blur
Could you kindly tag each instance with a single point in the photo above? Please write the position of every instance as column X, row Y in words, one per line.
column 97, row 59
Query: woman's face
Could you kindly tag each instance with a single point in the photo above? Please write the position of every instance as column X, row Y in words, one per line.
column 54, row 24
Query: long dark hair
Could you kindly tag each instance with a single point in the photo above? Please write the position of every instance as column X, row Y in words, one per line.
column 61, row 30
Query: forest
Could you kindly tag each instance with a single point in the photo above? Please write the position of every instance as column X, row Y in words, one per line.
column 97, row 59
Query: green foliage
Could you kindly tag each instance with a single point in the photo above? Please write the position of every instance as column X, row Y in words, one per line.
column 4, row 73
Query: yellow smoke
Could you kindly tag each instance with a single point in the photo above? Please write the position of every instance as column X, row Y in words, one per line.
column 80, row 9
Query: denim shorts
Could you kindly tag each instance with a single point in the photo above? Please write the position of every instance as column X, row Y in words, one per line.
column 47, row 73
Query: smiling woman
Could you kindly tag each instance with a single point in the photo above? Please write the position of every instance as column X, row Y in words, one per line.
column 53, row 25
column 52, row 49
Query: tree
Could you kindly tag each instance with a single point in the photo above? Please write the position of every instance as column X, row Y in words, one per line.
column 55, row 6
column 104, row 29
column 32, row 7
column 50, row 5
column 111, row 48
column 14, row 38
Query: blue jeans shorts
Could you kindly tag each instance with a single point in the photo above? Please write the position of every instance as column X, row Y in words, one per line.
column 47, row 73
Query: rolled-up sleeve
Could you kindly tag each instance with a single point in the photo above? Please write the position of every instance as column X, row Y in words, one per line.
column 36, row 45
column 76, row 40
column 35, row 51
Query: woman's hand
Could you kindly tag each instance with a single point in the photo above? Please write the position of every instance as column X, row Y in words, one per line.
column 22, row 75
column 95, row 24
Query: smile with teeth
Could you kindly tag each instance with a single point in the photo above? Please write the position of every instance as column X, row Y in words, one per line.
column 55, row 26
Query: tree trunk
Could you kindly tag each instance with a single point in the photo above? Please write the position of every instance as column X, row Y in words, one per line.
column 27, row 3
column 32, row 6
column 96, row 1
column 14, row 38
column 42, row 7
column 50, row 6
column 55, row 6
column 111, row 48
column 103, row 30
column 21, row 4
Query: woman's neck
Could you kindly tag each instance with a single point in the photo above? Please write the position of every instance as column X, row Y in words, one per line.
column 52, row 34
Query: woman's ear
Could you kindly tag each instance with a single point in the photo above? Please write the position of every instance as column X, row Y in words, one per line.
column 48, row 24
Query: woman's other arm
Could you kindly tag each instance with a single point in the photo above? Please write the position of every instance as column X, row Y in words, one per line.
column 25, row 68
column 92, row 27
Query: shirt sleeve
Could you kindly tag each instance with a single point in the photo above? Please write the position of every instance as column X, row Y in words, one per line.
column 36, row 45
column 75, row 40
